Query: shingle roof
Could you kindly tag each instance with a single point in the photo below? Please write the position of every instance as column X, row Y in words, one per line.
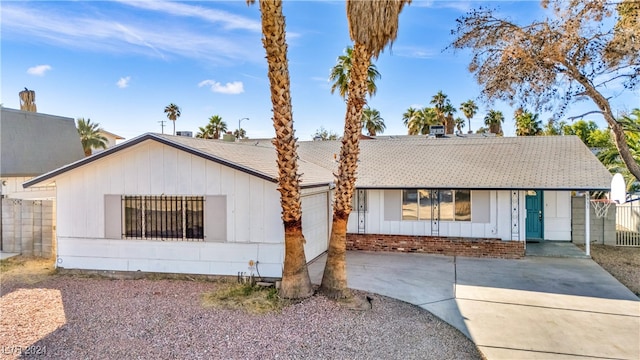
column 34, row 143
column 553, row 163
column 540, row 162
column 259, row 161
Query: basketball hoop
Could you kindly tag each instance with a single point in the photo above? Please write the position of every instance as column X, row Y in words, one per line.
column 601, row 206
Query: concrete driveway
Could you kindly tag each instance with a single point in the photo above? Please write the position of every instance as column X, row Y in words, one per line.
column 534, row 308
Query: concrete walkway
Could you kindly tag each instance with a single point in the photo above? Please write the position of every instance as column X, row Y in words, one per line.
column 534, row 308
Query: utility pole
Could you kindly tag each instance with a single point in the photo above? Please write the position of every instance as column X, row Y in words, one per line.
column 162, row 125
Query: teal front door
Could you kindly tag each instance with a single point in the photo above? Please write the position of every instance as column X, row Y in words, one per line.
column 534, row 215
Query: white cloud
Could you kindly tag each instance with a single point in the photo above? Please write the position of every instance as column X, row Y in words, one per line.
column 133, row 35
column 231, row 88
column 38, row 70
column 124, row 82
column 417, row 52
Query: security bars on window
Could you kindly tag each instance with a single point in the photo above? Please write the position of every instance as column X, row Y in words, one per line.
column 179, row 218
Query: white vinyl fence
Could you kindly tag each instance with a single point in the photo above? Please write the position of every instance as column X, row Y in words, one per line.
column 628, row 224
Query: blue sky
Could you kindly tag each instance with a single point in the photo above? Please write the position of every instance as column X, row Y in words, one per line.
column 121, row 62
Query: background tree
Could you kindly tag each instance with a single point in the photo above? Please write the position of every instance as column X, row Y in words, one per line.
column 469, row 109
column 581, row 129
column 372, row 121
column 341, row 73
column 296, row 283
column 218, row 126
column 572, row 55
column 482, row 130
column 610, row 156
column 553, row 127
column 324, row 134
column 459, row 122
column 372, row 25
column 418, row 121
column 527, row 123
column 240, row 133
column 494, row 120
column 205, row 132
column 444, row 110
column 173, row 113
column 90, row 136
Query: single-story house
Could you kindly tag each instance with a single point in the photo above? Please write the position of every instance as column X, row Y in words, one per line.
column 176, row 204
column 162, row 203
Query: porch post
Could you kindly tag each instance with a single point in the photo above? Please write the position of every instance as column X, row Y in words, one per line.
column 587, row 223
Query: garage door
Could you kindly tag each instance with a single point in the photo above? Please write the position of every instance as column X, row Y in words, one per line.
column 315, row 224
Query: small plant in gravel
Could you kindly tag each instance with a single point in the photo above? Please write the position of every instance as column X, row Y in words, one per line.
column 244, row 296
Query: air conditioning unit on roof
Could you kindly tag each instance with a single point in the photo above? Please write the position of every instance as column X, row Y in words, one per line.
column 437, row 130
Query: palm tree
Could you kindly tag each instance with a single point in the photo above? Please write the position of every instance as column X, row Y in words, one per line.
column 90, row 136
column 494, row 120
column 296, row 283
column 372, row 121
column 341, row 73
column 173, row 113
column 372, row 25
column 459, row 124
column 217, row 125
column 527, row 123
column 418, row 121
column 469, row 109
column 205, row 132
column 444, row 110
column 240, row 133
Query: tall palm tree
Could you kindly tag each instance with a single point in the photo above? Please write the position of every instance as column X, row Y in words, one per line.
column 341, row 73
column 296, row 283
column 494, row 120
column 469, row 109
column 372, row 25
column 90, row 136
column 527, row 123
column 372, row 121
column 217, row 125
column 173, row 113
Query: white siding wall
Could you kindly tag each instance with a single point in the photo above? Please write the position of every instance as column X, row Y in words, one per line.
column 14, row 190
column 498, row 226
column 557, row 215
column 254, row 226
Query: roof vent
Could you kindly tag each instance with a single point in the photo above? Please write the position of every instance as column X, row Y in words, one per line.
column 437, row 130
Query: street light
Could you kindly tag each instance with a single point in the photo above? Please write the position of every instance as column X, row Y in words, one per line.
column 240, row 127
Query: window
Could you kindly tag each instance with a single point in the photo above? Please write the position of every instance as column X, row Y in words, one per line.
column 164, row 217
column 452, row 205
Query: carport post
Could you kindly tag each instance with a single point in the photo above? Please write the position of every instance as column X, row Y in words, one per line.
column 587, row 223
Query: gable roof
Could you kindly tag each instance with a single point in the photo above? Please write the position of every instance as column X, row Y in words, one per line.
column 254, row 160
column 537, row 162
column 547, row 163
column 33, row 143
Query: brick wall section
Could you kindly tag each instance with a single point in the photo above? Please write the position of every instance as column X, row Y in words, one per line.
column 473, row 247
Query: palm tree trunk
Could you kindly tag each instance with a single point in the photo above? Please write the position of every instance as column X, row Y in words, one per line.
column 334, row 279
column 174, row 127
column 296, row 283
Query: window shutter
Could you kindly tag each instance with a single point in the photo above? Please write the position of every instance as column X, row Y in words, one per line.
column 392, row 205
column 215, row 218
column 113, row 217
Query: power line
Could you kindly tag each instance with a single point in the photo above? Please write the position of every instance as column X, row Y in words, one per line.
column 162, row 125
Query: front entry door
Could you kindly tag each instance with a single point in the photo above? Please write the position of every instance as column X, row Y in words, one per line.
column 534, row 215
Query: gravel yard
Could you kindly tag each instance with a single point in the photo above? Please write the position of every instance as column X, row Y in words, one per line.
column 621, row 262
column 72, row 318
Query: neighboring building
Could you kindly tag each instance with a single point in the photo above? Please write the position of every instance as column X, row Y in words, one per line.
column 32, row 144
column 476, row 196
column 112, row 140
